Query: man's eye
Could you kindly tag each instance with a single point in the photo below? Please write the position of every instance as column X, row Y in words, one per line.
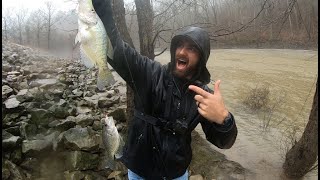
column 193, row 49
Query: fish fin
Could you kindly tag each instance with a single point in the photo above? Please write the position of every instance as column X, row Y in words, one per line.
column 109, row 48
column 85, row 59
column 119, row 152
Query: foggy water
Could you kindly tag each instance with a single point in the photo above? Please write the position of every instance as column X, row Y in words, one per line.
column 291, row 77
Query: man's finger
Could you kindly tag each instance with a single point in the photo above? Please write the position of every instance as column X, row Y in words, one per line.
column 199, row 91
column 198, row 98
column 217, row 86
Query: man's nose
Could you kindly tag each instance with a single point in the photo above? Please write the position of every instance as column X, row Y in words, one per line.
column 183, row 51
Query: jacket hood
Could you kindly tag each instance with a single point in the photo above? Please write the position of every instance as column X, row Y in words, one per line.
column 201, row 38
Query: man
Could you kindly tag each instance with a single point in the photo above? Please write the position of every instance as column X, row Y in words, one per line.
column 169, row 102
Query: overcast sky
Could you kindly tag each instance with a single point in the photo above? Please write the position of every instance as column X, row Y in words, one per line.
column 63, row 5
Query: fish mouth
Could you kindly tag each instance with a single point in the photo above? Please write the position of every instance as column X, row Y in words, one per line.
column 181, row 64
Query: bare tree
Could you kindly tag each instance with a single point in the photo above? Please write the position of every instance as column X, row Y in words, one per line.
column 119, row 15
column 37, row 21
column 302, row 156
column 145, row 22
column 50, row 19
column 21, row 15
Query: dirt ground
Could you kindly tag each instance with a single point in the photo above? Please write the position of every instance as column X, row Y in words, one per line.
column 291, row 77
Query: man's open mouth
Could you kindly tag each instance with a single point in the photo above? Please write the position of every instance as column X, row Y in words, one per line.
column 181, row 64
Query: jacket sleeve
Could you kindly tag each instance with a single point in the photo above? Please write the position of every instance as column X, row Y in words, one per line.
column 135, row 69
column 222, row 136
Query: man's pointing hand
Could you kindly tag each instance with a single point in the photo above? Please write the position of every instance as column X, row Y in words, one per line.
column 210, row 106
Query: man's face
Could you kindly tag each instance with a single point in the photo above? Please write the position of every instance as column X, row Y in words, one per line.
column 187, row 58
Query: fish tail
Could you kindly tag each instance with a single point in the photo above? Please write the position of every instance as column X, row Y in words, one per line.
column 110, row 163
column 105, row 78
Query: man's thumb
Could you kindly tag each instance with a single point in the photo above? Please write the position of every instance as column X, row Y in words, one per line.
column 217, row 86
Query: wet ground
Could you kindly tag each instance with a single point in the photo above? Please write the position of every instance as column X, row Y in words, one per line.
column 291, row 78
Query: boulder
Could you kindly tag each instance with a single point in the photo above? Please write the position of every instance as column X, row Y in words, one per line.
column 59, row 111
column 15, row 171
column 83, row 110
column 203, row 155
column 65, row 125
column 12, row 103
column 84, row 120
column 119, row 113
column 80, row 139
column 80, row 160
column 9, row 141
column 40, row 117
column 38, row 146
column 27, row 130
column 16, row 156
column 108, row 102
column 6, row 91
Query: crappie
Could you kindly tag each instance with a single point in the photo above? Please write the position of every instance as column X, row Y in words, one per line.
column 112, row 142
column 95, row 45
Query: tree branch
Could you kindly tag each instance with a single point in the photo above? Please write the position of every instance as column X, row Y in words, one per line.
column 160, row 52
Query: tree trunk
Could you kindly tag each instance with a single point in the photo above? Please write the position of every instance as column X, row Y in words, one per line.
column 145, row 22
column 119, row 16
column 302, row 156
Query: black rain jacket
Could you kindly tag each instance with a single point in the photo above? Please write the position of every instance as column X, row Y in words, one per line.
column 159, row 136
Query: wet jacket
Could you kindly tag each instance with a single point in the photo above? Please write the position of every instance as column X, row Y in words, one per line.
column 159, row 136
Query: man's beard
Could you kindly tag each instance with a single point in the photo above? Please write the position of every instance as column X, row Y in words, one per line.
column 187, row 74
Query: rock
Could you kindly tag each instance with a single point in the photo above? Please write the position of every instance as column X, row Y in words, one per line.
column 74, row 175
column 65, row 125
column 41, row 117
column 91, row 101
column 115, row 175
column 80, row 160
column 196, row 177
column 27, row 130
column 16, row 73
column 9, row 141
column 23, row 95
column 84, row 120
column 59, row 111
column 62, row 102
column 81, row 139
column 43, row 145
column 6, row 67
column 53, row 123
column 87, row 175
column 16, row 156
column 6, row 91
column 97, row 125
column 203, row 155
column 10, row 117
column 14, row 130
column 77, row 93
column 11, row 103
column 31, row 164
column 83, row 110
column 15, row 171
column 119, row 114
column 5, row 173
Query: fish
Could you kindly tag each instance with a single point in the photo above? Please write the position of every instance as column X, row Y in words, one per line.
column 112, row 142
column 95, row 45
